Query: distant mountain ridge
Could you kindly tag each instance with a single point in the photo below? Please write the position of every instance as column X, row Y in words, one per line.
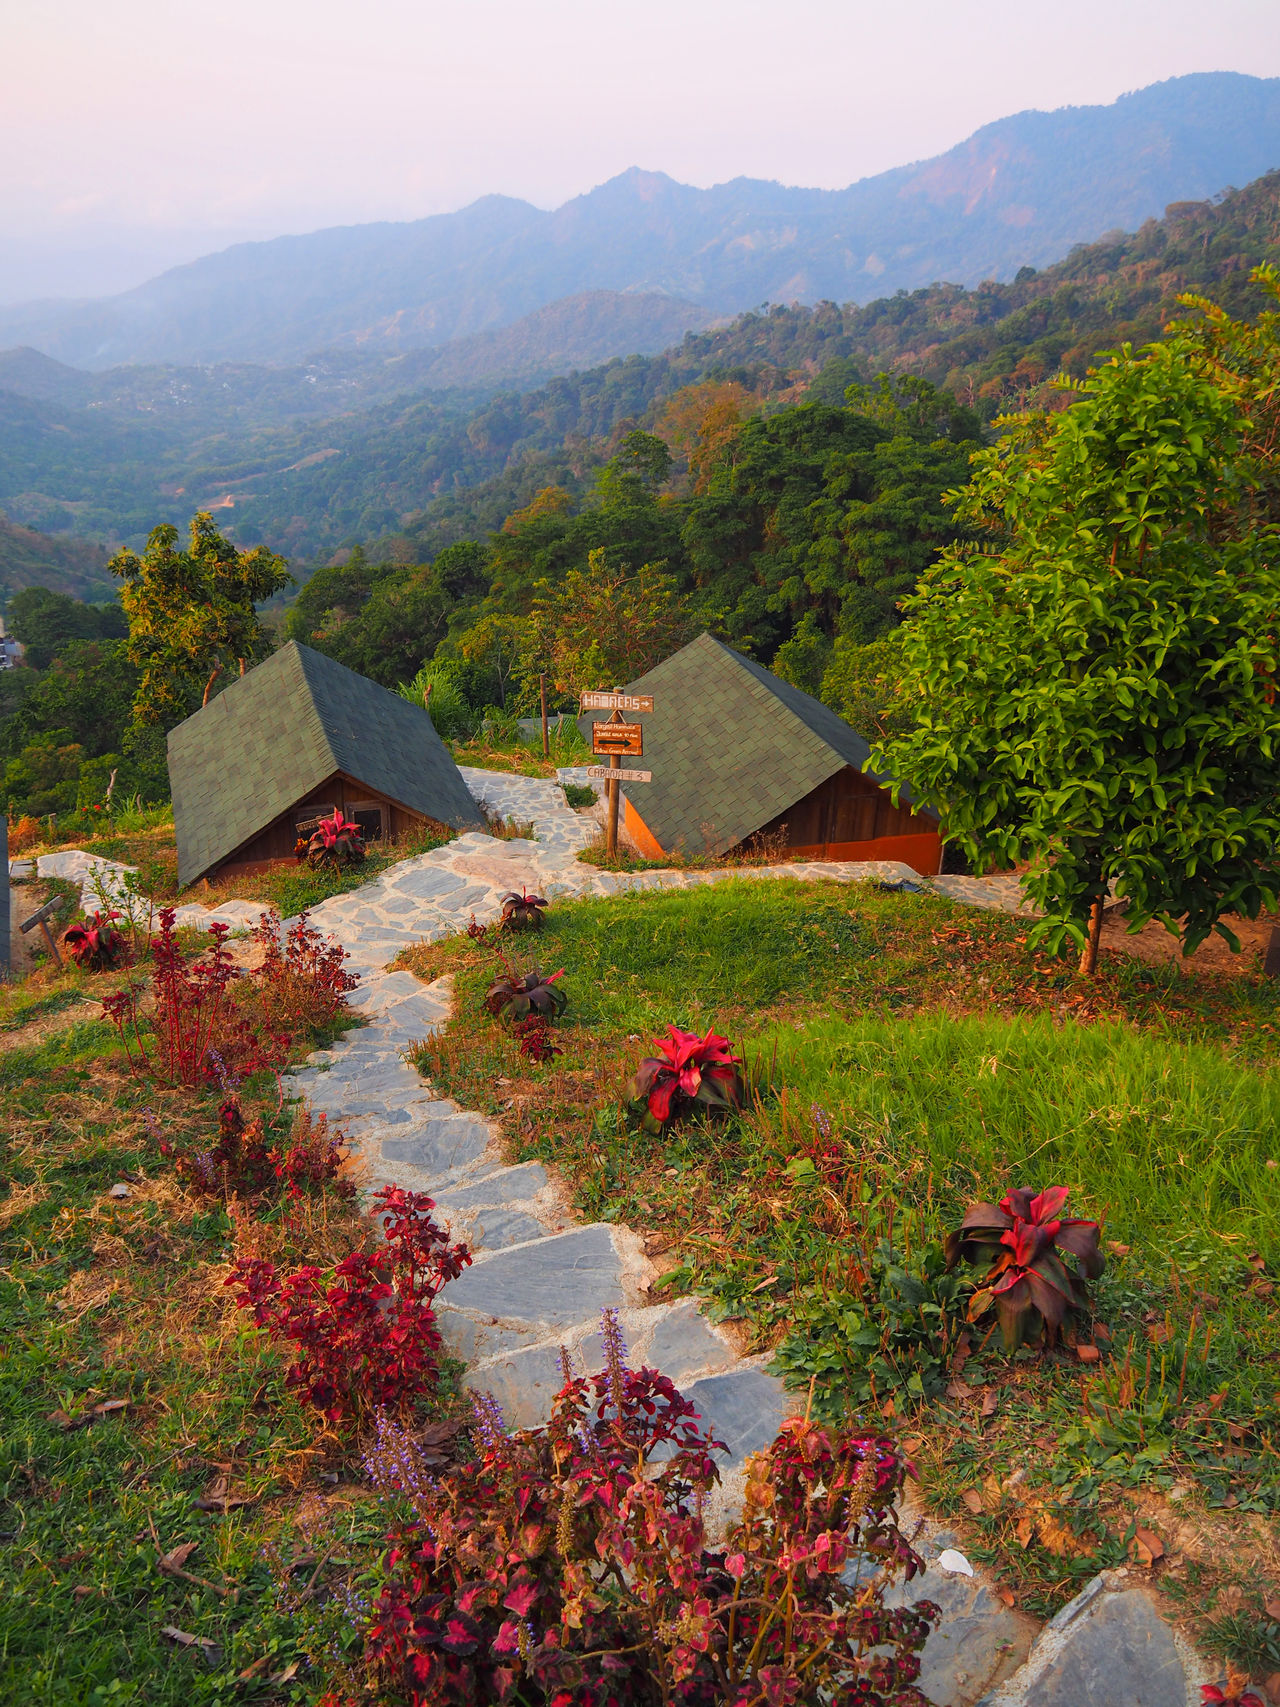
column 1019, row 192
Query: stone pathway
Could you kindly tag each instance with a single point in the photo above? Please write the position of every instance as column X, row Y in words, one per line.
column 539, row 1280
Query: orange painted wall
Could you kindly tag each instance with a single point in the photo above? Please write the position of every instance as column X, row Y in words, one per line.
column 640, row 833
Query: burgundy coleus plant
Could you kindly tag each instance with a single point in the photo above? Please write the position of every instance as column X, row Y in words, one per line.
column 96, row 945
column 1038, row 1261
column 691, row 1072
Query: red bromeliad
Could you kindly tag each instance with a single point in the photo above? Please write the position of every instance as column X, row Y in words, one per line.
column 692, row 1071
column 334, row 841
column 96, row 945
column 1025, row 1240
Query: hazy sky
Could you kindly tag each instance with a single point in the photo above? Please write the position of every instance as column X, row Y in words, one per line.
column 139, row 133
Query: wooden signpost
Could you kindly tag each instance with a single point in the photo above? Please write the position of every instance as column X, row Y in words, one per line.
column 42, row 918
column 616, row 739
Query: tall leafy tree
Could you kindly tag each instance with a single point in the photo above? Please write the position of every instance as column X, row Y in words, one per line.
column 192, row 613
column 1094, row 688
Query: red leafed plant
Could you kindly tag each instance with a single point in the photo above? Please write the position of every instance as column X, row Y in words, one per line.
column 1236, row 1692
column 522, row 911
column 301, row 981
column 1027, row 1243
column 198, row 1035
column 365, row 1330
column 96, row 945
column 335, row 841
column 251, row 1160
column 572, row 1564
column 515, row 995
column 692, row 1072
column 534, row 1033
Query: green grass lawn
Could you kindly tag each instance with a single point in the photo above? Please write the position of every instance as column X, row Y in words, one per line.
column 911, row 1057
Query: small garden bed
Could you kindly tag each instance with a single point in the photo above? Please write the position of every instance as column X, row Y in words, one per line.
column 911, row 1057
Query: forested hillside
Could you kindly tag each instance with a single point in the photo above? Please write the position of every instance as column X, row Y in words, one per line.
column 31, row 559
column 319, row 458
column 1017, row 192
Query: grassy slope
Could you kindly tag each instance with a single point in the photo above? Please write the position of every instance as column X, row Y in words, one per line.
column 121, row 1298
column 953, row 1063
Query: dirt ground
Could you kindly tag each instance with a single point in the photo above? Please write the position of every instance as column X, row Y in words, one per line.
column 1154, row 945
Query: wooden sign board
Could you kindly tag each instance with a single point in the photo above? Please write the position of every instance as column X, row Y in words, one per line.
column 603, row 773
column 594, row 701
column 621, row 738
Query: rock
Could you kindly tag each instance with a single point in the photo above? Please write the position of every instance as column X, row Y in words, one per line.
column 744, row 1407
column 978, row 1641
column 1109, row 1647
column 564, row 1279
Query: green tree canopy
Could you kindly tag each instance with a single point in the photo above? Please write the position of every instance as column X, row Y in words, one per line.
column 47, row 623
column 191, row 613
column 1093, row 689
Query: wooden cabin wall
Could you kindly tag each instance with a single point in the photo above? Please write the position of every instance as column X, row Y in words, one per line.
column 851, row 817
column 276, row 841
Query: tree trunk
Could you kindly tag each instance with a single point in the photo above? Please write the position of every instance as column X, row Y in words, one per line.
column 242, row 666
column 208, row 686
column 1089, row 953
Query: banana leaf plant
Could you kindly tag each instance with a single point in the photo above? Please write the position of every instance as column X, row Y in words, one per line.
column 521, row 911
column 335, row 841
column 691, row 1072
column 96, row 945
column 515, row 995
column 1037, row 1262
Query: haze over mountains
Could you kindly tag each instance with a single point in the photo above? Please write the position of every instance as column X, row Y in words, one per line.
column 1019, row 192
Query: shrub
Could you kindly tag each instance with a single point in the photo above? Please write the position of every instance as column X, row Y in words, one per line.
column 535, row 1039
column 26, row 833
column 521, row 911
column 249, row 1160
column 571, row 1564
column 198, row 1035
column 365, row 1329
column 96, row 945
column 301, row 982
column 337, row 842
column 691, row 1072
column 1025, row 1242
column 515, row 995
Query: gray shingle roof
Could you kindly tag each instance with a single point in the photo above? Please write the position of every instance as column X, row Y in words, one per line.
column 730, row 745
column 285, row 728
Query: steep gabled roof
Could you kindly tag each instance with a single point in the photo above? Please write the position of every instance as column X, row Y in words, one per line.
column 285, row 728
column 731, row 746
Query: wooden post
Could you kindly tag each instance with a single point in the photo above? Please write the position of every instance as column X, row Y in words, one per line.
column 615, row 790
column 546, row 742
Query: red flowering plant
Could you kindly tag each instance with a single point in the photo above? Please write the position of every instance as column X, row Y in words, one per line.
column 691, row 1072
column 365, row 1330
column 336, row 841
column 96, row 945
column 1038, row 1262
column 572, row 1564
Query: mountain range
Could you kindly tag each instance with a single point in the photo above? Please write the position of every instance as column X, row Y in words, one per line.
column 1018, row 193
column 352, row 448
